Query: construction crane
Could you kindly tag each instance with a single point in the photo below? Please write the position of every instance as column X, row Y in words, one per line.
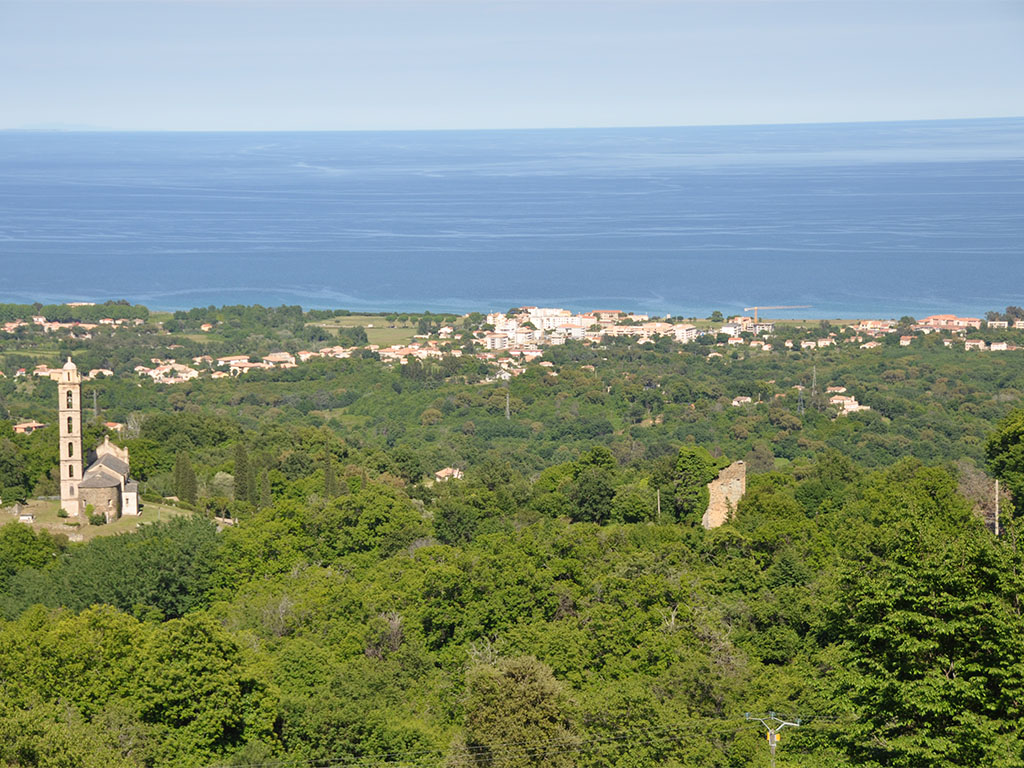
column 778, row 306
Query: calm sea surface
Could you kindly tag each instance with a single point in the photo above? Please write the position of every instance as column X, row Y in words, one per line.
column 876, row 219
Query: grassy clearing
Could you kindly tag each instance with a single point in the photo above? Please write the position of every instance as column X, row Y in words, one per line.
column 378, row 330
column 47, row 519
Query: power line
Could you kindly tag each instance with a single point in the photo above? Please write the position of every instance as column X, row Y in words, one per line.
column 503, row 752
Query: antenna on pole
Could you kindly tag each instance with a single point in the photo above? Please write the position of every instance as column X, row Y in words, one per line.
column 773, row 723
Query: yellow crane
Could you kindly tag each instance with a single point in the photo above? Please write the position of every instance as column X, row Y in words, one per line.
column 778, row 306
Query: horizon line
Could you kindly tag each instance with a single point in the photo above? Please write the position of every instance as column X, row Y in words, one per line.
column 94, row 129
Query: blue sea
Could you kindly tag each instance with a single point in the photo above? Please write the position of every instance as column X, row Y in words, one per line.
column 874, row 219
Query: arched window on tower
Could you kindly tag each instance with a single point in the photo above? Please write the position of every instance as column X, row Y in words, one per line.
column 71, row 403
column 71, row 451
column 71, row 470
column 69, row 425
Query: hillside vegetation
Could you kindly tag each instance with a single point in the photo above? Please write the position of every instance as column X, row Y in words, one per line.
column 560, row 604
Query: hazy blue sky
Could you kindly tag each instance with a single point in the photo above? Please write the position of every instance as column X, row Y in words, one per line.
column 377, row 64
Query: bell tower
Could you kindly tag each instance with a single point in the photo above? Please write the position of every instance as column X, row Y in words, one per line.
column 69, row 390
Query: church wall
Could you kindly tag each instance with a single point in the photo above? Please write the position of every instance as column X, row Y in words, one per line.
column 130, row 503
column 107, row 501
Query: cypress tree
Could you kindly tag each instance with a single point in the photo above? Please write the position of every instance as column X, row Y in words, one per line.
column 330, row 480
column 264, row 500
column 184, row 478
column 243, row 481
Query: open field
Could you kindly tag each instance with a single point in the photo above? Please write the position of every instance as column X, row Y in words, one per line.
column 47, row 519
column 378, row 329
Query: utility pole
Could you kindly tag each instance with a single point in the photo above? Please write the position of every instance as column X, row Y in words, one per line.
column 95, row 407
column 997, row 506
column 659, row 507
column 773, row 723
column 508, row 396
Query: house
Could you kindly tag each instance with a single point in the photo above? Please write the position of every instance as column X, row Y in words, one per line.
column 945, row 322
column 446, row 474
column 847, row 404
column 974, row 344
column 875, row 327
column 206, row 327
column 905, row 341
column 835, row 390
column 27, row 427
column 279, row 357
column 734, row 340
column 998, row 324
column 232, row 359
column 808, row 344
column 742, row 400
column 826, row 342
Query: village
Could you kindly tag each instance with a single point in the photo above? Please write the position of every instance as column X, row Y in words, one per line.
column 509, row 341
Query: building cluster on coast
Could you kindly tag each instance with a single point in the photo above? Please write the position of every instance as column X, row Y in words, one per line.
column 510, row 339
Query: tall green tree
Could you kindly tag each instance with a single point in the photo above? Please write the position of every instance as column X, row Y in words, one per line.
column 694, row 469
column 184, row 478
column 243, row 478
column 264, row 494
column 330, row 478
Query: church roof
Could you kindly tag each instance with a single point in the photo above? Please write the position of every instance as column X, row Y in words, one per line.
column 70, row 366
column 100, row 480
column 111, row 462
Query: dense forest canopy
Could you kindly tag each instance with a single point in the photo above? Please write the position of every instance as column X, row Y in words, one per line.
column 560, row 603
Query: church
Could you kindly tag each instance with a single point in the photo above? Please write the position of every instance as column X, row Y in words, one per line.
column 105, row 483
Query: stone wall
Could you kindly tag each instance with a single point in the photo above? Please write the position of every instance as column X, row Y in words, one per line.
column 725, row 493
column 107, row 501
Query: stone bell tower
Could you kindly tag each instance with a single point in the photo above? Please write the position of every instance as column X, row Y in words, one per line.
column 69, row 390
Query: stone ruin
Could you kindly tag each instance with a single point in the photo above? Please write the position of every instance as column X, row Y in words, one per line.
column 725, row 493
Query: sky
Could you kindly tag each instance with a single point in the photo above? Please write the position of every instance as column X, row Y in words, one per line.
column 459, row 64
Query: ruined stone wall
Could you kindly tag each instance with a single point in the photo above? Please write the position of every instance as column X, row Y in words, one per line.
column 725, row 493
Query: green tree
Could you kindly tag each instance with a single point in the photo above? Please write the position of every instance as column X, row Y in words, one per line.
column 330, row 479
column 197, row 688
column 1005, row 453
column 694, row 469
column 184, row 478
column 932, row 660
column 265, row 495
column 517, row 715
column 243, row 479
